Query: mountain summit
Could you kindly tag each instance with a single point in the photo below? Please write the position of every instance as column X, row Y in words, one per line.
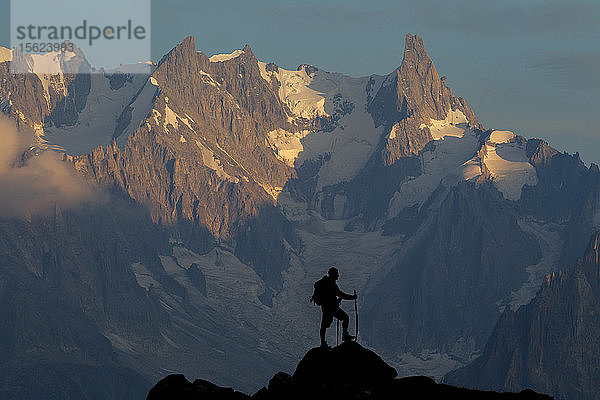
column 348, row 371
column 410, row 98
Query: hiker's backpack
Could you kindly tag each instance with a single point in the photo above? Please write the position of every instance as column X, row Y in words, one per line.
column 320, row 291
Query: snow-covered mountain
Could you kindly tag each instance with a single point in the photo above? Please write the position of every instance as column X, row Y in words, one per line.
column 74, row 110
column 234, row 184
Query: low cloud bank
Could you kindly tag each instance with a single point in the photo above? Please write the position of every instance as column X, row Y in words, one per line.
column 39, row 184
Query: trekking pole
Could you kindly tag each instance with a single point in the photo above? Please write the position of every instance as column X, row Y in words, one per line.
column 356, row 313
column 337, row 332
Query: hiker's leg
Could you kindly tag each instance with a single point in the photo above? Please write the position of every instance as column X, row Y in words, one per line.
column 326, row 321
column 342, row 316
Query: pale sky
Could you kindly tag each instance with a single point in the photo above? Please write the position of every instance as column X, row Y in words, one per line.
column 528, row 66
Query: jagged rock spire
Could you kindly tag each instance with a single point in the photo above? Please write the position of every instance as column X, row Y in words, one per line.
column 411, row 96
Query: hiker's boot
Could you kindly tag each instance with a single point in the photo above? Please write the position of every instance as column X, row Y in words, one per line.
column 346, row 337
column 324, row 345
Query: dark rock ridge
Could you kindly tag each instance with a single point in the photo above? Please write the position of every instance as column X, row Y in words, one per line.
column 550, row 345
column 348, row 371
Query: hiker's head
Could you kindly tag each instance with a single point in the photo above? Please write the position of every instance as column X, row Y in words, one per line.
column 333, row 273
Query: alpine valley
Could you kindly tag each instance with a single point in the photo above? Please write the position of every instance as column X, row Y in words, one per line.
column 225, row 186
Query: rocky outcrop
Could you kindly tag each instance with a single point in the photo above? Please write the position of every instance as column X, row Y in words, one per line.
column 348, row 371
column 550, row 345
column 540, row 153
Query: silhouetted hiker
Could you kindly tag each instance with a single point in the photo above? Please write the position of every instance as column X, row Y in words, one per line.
column 328, row 295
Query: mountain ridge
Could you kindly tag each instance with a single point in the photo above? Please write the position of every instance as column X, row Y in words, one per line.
column 254, row 180
column 549, row 344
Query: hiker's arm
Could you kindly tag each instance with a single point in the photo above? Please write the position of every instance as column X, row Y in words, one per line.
column 343, row 295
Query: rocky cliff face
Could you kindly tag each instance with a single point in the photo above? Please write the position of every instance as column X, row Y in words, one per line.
column 568, row 193
column 474, row 235
column 63, row 281
column 230, row 105
column 200, row 158
column 550, row 345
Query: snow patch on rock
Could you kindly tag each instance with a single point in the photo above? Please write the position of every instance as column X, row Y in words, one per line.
column 509, row 167
column 212, row 162
column 296, row 92
column 49, row 63
column 499, row 137
column 447, row 159
column 354, row 138
column 5, row 54
column 505, row 159
column 143, row 276
column 549, row 239
column 225, row 57
column 454, row 124
column 141, row 107
column 96, row 122
column 172, row 118
column 286, row 145
column 208, row 79
column 429, row 363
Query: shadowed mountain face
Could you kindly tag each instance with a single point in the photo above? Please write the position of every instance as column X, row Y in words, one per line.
column 233, row 184
column 63, row 281
column 473, row 235
column 348, row 371
column 550, row 345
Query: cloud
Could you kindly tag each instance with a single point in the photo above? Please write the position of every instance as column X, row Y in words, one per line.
column 327, row 16
column 509, row 17
column 38, row 184
column 576, row 71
